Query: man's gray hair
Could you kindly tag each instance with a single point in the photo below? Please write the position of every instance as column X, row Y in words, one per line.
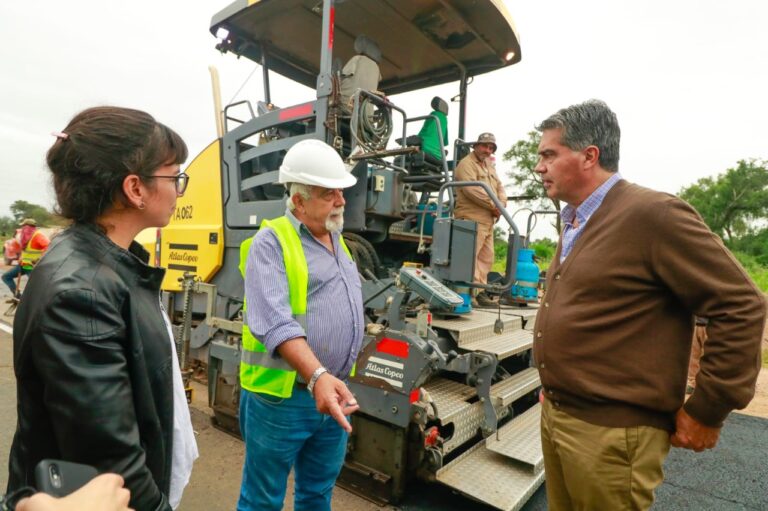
column 293, row 189
column 586, row 124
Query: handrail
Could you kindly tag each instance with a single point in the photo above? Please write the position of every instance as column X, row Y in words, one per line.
column 513, row 241
column 227, row 117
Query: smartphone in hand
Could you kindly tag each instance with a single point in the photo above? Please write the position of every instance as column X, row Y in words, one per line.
column 60, row 478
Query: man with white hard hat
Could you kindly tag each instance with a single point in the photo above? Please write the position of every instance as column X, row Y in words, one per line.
column 305, row 323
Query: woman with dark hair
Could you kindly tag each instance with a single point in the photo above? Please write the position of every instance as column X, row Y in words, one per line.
column 98, row 380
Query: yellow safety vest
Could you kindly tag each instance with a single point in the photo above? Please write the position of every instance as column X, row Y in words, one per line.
column 30, row 256
column 259, row 371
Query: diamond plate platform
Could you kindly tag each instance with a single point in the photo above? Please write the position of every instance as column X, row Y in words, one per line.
column 449, row 397
column 511, row 389
column 510, row 342
column 453, row 406
column 526, row 314
column 476, row 326
column 491, row 478
column 520, row 439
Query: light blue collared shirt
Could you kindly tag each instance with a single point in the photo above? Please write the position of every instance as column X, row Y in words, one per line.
column 334, row 317
column 584, row 212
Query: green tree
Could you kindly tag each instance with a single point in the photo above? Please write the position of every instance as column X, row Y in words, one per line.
column 7, row 227
column 524, row 156
column 730, row 203
column 754, row 244
column 22, row 209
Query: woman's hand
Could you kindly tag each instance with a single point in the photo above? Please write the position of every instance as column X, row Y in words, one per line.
column 102, row 493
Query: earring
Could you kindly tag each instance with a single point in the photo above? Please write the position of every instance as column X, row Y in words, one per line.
column 141, row 205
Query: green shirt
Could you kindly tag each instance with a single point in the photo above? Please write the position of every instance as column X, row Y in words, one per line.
column 430, row 142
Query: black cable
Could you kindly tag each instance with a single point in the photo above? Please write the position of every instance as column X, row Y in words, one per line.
column 379, row 292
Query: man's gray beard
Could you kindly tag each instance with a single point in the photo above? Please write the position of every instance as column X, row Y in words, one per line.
column 334, row 226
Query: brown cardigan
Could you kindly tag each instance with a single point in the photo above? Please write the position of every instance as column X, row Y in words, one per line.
column 613, row 334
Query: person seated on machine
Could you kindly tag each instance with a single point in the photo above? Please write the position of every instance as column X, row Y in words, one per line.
column 430, row 141
column 360, row 72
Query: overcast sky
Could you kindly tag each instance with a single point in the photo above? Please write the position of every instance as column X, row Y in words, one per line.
column 687, row 79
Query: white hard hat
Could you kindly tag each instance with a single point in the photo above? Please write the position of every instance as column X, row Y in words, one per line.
column 312, row 162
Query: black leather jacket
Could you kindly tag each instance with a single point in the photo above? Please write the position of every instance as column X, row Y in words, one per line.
column 93, row 366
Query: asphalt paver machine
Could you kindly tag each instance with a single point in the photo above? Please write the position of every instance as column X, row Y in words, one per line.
column 445, row 395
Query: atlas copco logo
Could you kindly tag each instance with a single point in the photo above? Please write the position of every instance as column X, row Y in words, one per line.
column 385, row 368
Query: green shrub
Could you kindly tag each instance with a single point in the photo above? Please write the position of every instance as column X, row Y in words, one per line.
column 544, row 250
column 758, row 272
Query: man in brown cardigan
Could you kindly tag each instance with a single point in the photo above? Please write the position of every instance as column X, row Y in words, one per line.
column 613, row 334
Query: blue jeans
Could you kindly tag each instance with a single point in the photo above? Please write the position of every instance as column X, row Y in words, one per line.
column 11, row 275
column 281, row 434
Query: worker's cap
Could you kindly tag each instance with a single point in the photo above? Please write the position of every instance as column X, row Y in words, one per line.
column 29, row 221
column 486, row 138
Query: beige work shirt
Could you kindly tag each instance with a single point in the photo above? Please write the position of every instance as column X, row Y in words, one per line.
column 472, row 202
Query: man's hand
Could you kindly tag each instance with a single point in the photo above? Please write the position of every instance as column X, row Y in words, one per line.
column 691, row 434
column 103, row 493
column 332, row 397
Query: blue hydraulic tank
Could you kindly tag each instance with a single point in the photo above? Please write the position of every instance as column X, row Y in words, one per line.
column 526, row 288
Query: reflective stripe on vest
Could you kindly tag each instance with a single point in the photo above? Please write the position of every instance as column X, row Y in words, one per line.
column 259, row 371
column 29, row 256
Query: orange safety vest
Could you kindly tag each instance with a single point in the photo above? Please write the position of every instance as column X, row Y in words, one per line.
column 34, row 250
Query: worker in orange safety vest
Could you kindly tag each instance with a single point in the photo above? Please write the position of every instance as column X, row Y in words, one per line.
column 33, row 244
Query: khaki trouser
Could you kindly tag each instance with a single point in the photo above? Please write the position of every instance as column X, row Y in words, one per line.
column 591, row 468
column 483, row 252
column 697, row 348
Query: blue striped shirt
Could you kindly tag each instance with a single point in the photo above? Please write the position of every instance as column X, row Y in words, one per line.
column 334, row 299
column 583, row 212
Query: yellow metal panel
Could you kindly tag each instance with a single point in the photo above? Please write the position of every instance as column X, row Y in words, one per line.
column 194, row 239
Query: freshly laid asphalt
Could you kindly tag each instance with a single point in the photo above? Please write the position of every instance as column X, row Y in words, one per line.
column 731, row 477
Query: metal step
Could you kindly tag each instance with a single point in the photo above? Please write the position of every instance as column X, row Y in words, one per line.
column 508, row 343
column 507, row 391
column 476, row 326
column 452, row 407
column 526, row 314
column 520, row 439
column 449, row 397
column 491, row 478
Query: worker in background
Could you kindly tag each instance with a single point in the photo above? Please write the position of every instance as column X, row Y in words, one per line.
column 430, row 140
column 360, row 72
column 613, row 335
column 305, row 318
column 473, row 203
column 33, row 244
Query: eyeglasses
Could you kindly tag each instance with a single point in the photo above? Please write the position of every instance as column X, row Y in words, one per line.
column 182, row 181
